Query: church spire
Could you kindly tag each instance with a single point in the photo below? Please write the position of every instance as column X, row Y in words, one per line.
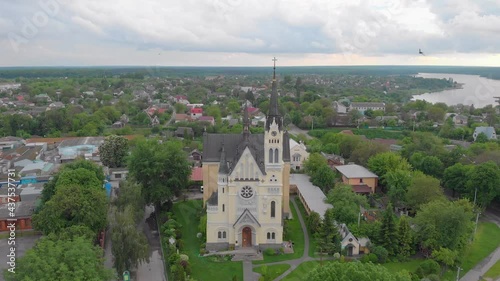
column 273, row 104
column 223, row 169
column 246, row 121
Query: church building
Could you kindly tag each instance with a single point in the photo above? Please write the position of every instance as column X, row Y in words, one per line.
column 246, row 183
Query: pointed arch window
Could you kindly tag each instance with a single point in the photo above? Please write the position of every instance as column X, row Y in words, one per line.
column 270, row 155
column 273, row 209
column 276, row 156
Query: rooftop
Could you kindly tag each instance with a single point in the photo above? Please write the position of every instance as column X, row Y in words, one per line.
column 313, row 195
column 23, row 209
column 197, row 174
column 355, row 171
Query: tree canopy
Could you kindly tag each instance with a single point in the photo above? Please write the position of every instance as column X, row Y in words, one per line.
column 61, row 259
column 345, row 203
column 422, row 190
column 161, row 168
column 113, row 151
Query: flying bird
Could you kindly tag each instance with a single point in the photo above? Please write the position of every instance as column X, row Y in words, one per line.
column 420, row 52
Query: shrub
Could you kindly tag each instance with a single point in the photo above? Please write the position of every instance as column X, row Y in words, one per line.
column 184, row 257
column 173, row 258
column 381, row 253
column 373, row 258
column 433, row 277
column 428, row 267
column 365, row 259
column 336, row 256
column 203, row 251
column 180, row 244
column 270, row 252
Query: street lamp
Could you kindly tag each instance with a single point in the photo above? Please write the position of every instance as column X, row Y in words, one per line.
column 458, row 272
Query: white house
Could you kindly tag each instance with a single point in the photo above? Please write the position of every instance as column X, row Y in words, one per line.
column 488, row 131
column 298, row 154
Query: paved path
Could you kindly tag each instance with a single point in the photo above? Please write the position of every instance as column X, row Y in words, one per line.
column 249, row 275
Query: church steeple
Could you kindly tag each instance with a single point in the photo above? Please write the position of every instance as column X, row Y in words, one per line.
column 274, row 114
column 223, row 169
column 246, row 121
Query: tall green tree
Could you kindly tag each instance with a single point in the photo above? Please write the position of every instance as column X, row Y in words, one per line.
column 422, row 190
column 113, row 151
column 53, row 258
column 455, row 177
column 327, row 239
column 397, row 184
column 355, row 271
column 388, row 231
column 346, row 204
column 442, row 223
column 383, row 163
column 128, row 243
column 161, row 168
column 73, row 205
column 485, row 178
column 405, row 238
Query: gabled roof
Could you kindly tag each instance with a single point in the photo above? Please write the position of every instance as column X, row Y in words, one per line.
column 246, row 217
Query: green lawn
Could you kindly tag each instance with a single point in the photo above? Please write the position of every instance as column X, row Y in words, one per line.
column 312, row 241
column 494, row 271
column 409, row 266
column 296, row 235
column 273, row 271
column 486, row 241
column 202, row 268
column 301, row 271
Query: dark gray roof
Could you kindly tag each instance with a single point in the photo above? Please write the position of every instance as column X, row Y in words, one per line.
column 214, row 199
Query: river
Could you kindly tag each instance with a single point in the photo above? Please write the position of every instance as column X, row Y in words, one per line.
column 475, row 90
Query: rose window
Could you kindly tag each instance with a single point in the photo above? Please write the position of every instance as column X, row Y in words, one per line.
column 246, row 192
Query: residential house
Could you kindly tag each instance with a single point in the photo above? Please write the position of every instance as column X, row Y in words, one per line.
column 196, row 174
column 117, row 174
column 181, row 117
column 195, row 155
column 55, row 105
column 43, row 98
column 364, row 106
column 208, row 119
column 5, row 194
column 488, row 131
column 11, row 142
column 22, row 215
column 118, row 124
column 352, row 245
column 340, row 107
column 155, row 121
column 124, row 119
column 333, row 160
column 298, row 154
column 196, row 112
column 360, row 178
column 184, row 132
column 181, row 99
column 252, row 111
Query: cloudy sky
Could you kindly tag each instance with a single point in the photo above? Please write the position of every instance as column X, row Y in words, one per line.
column 249, row 32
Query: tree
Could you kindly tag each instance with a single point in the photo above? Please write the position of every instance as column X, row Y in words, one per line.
column 323, row 177
column 365, row 150
column 482, row 138
column 233, row 106
column 422, row 190
column 314, row 162
column 61, row 259
column 388, row 231
column 313, row 222
column 382, row 163
column 73, row 205
column 49, row 188
column 327, row 235
column 455, row 177
column 485, row 178
column 128, row 243
column 405, row 238
column 80, row 177
column 446, row 257
column 397, row 183
column 442, row 223
column 113, row 151
column 346, row 203
column 355, row 271
column 130, row 194
column 161, row 168
column 429, row 165
column 354, row 116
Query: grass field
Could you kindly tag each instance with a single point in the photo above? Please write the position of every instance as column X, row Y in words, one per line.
column 494, row 271
column 296, row 235
column 409, row 266
column 312, row 241
column 486, row 241
column 202, row 268
column 301, row 271
column 273, row 271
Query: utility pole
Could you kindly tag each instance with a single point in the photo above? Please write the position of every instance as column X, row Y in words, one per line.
column 475, row 197
column 458, row 272
column 475, row 228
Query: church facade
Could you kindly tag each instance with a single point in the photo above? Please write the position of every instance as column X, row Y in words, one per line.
column 246, row 184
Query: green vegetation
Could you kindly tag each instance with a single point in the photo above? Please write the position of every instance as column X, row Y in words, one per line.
column 312, row 241
column 301, row 271
column 271, row 272
column 203, row 268
column 355, row 271
column 410, row 266
column 494, row 271
column 487, row 239
column 294, row 234
column 369, row 133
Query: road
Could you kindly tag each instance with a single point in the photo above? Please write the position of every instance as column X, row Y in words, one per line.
column 22, row 245
column 294, row 130
column 155, row 268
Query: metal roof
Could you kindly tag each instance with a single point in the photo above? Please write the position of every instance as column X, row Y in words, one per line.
column 313, row 195
column 355, row 171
